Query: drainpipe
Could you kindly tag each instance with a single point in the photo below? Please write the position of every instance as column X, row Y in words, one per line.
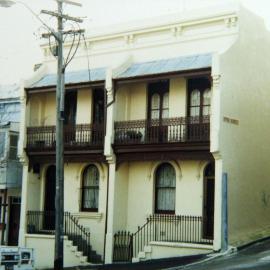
column 4, row 218
column 224, row 226
column 106, row 216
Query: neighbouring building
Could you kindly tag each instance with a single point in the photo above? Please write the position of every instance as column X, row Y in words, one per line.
column 168, row 108
column 10, row 166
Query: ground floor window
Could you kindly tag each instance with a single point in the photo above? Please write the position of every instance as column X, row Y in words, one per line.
column 165, row 189
column 90, row 189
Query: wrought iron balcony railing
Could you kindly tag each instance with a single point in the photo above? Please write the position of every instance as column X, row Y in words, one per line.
column 84, row 135
column 169, row 130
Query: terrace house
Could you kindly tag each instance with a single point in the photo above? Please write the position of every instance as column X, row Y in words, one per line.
column 168, row 109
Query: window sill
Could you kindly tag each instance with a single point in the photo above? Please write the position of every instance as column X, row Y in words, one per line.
column 88, row 215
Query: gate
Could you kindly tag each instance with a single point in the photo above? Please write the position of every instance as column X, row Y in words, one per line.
column 122, row 251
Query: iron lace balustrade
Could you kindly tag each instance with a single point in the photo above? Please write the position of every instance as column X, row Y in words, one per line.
column 83, row 135
column 168, row 130
column 169, row 228
column 43, row 222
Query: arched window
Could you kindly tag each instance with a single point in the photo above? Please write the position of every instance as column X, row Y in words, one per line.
column 165, row 189
column 90, row 189
column 199, row 97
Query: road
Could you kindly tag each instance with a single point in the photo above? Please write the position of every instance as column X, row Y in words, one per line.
column 255, row 257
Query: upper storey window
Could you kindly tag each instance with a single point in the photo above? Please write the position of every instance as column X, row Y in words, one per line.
column 158, row 100
column 199, row 97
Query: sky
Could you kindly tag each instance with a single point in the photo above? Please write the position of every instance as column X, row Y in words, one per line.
column 21, row 31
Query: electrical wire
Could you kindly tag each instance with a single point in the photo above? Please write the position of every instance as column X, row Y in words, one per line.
column 88, row 58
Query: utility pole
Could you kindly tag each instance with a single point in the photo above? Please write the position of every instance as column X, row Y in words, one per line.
column 60, row 104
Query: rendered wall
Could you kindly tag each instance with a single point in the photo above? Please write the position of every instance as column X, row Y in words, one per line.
column 43, row 108
column 244, row 143
column 45, row 259
column 191, row 33
column 132, row 100
column 93, row 221
column 136, row 182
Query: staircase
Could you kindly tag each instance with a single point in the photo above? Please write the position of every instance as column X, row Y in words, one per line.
column 78, row 236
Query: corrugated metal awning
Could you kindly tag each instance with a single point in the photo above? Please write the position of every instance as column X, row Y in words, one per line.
column 186, row 63
column 73, row 77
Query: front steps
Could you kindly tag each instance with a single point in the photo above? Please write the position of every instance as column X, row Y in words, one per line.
column 77, row 245
column 143, row 255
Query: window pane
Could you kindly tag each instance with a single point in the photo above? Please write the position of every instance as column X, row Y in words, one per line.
column 206, row 102
column 165, row 104
column 195, row 111
column 207, row 97
column 90, row 198
column 165, row 113
column 195, row 98
column 206, row 110
column 2, row 143
column 155, row 102
column 165, row 188
column 90, row 188
column 155, row 114
column 91, row 177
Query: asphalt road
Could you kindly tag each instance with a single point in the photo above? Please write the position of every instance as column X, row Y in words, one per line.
column 255, row 257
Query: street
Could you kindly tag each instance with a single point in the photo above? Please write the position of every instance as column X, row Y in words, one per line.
column 254, row 257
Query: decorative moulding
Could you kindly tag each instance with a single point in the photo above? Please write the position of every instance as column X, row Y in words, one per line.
column 88, row 215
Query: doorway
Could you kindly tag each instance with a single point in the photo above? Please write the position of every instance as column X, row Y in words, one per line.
column 14, row 220
column 199, row 106
column 49, row 202
column 70, row 117
column 158, row 110
column 209, row 201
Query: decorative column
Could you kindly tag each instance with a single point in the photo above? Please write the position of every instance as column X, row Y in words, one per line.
column 215, row 150
column 108, row 152
column 24, row 162
column 24, row 196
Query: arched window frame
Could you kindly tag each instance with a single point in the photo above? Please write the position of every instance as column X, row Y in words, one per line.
column 164, row 189
column 90, row 190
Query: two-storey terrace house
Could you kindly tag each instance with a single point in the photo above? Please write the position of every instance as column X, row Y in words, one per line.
column 10, row 166
column 168, row 109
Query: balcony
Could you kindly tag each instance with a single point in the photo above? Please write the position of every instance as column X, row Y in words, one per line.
column 79, row 140
column 184, row 137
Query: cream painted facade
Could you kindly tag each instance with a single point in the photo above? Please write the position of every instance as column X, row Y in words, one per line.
column 237, row 41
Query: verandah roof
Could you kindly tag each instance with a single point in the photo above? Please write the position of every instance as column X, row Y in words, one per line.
column 165, row 66
column 158, row 67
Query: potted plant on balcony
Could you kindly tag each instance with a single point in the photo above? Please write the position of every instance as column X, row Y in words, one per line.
column 133, row 135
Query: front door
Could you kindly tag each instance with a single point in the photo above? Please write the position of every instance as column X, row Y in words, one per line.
column 14, row 221
column 70, row 117
column 98, row 116
column 209, row 200
column 49, row 203
column 158, row 110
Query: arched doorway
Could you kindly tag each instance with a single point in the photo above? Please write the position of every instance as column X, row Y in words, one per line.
column 209, row 201
column 49, row 202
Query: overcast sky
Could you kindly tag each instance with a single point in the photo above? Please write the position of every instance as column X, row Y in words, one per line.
column 20, row 31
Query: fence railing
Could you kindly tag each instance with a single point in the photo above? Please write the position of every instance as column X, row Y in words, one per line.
column 168, row 130
column 43, row 222
column 123, row 247
column 74, row 136
column 160, row 228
